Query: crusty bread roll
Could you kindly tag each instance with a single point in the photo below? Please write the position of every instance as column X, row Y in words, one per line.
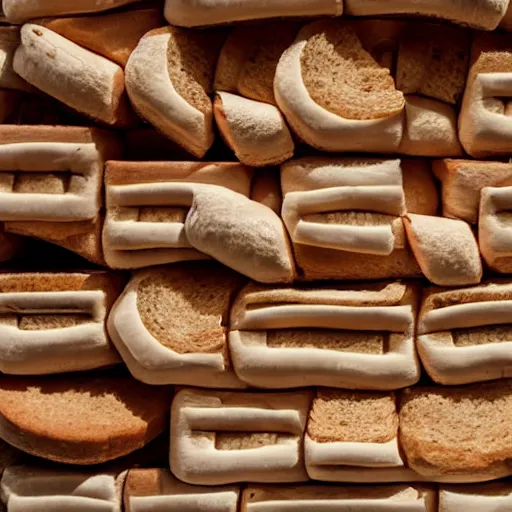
column 93, row 419
column 464, row 334
column 36, row 488
column 221, row 437
column 55, row 323
column 488, row 497
column 170, row 325
column 204, row 12
column 458, row 434
column 159, row 491
column 169, row 78
column 357, row 336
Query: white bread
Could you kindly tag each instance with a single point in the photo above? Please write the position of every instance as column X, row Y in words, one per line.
column 169, row 78
column 85, row 81
column 169, row 325
column 480, row 14
column 490, row 497
column 36, row 488
column 157, row 490
column 391, row 498
column 55, row 323
column 358, row 336
column 203, row 12
column 254, row 130
column 9, row 41
column 227, row 437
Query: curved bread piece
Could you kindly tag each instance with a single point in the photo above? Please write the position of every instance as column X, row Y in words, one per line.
column 358, row 336
column 9, row 41
column 489, row 497
column 254, row 130
column 203, row 12
column 169, row 78
column 465, row 335
column 365, row 113
column 445, row 249
column 35, row 488
column 93, row 420
column 158, row 490
column 169, row 325
column 460, row 434
column 480, row 14
column 93, row 85
column 55, row 323
column 221, row 437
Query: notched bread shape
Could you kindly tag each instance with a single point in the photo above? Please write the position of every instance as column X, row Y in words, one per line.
column 355, row 336
column 334, row 93
column 260, row 498
column 204, row 12
column 446, row 249
column 147, row 205
column 480, row 14
column 465, row 335
column 35, row 488
column 255, row 131
column 353, row 437
column 460, row 434
column 9, row 41
column 488, row 497
column 55, row 323
column 221, row 437
column 170, row 325
column 94, row 418
column 169, row 78
column 158, row 490
column 484, row 125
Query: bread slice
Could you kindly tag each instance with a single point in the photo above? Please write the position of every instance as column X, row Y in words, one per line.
column 60, row 489
column 255, row 131
column 344, row 217
column 170, row 325
column 488, row 497
column 464, row 335
column 266, row 189
column 258, row 498
column 358, row 336
column 353, row 437
column 169, row 78
column 227, row 437
column 460, row 434
column 446, row 249
column 94, row 418
column 55, row 323
column 9, row 41
column 203, row 12
column 158, row 489
column 85, row 81
column 484, row 127
column 19, row 11
column 480, row 14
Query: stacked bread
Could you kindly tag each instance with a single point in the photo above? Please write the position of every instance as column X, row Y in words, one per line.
column 255, row 256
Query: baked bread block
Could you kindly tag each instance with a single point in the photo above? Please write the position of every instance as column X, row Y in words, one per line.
column 55, row 322
column 464, row 334
column 204, row 12
column 9, row 41
column 344, row 215
column 190, row 210
column 480, row 14
column 79, row 78
column 462, row 182
column 170, row 325
column 484, row 127
column 460, row 434
column 94, row 418
column 339, row 498
column 489, row 497
column 169, row 78
column 221, row 437
column 358, row 336
column 266, row 189
column 60, row 489
column 255, row 131
column 158, row 490
column 446, row 249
